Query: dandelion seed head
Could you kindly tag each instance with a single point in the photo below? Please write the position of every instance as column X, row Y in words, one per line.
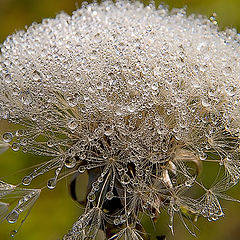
column 131, row 95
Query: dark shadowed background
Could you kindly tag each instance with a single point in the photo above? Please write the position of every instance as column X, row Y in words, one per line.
column 55, row 212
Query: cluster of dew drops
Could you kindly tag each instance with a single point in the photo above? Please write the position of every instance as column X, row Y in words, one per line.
column 133, row 98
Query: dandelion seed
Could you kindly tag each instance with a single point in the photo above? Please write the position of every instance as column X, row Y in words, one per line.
column 21, row 201
column 135, row 98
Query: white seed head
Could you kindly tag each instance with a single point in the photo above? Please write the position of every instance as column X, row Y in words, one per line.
column 131, row 94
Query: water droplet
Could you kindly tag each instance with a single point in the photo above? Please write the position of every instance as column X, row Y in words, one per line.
column 50, row 143
column 72, row 123
column 26, row 98
column 123, row 218
column 175, row 207
column 91, row 90
column 230, row 91
column 78, row 76
column 131, row 108
column 15, row 147
column 206, row 102
column 125, row 179
column 19, row 132
column 131, row 81
column 213, row 19
column 95, row 186
column 91, row 197
column 26, row 180
column 57, row 171
column 12, row 216
column 49, row 117
column 7, row 137
column 82, row 156
column 72, row 101
column 109, row 195
column 155, row 86
column 70, row 162
column 13, row 233
column 156, row 71
column 81, row 169
column 203, row 156
column 108, row 131
column 51, row 184
column 227, row 71
column 8, row 78
column 99, row 85
column 100, row 179
column 196, row 84
column 189, row 182
column 36, row 76
column 34, row 117
column 116, row 221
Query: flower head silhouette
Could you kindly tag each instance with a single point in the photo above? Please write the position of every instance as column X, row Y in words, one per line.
column 136, row 97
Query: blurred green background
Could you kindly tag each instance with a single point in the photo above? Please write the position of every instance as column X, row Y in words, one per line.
column 55, row 212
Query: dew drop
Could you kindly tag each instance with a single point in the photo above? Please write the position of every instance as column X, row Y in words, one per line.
column 203, row 156
column 125, row 179
column 156, row 71
column 213, row 19
column 99, row 85
column 13, row 233
column 78, row 76
column 95, row 186
column 26, row 180
column 49, row 117
column 51, row 184
column 206, row 103
column 19, row 132
column 188, row 183
column 50, row 143
column 155, row 86
column 91, row 90
column 123, row 218
column 57, row 171
column 12, row 216
column 196, row 84
column 100, row 179
column 169, row 80
column 109, row 195
column 15, row 147
column 116, row 221
column 72, row 124
column 175, row 207
column 7, row 137
column 70, row 162
column 34, row 117
column 82, row 156
column 26, row 98
column 8, row 78
column 227, row 71
column 131, row 81
column 131, row 108
column 36, row 76
column 108, row 132
column 91, row 197
column 81, row 169
column 230, row 91
column 72, row 101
